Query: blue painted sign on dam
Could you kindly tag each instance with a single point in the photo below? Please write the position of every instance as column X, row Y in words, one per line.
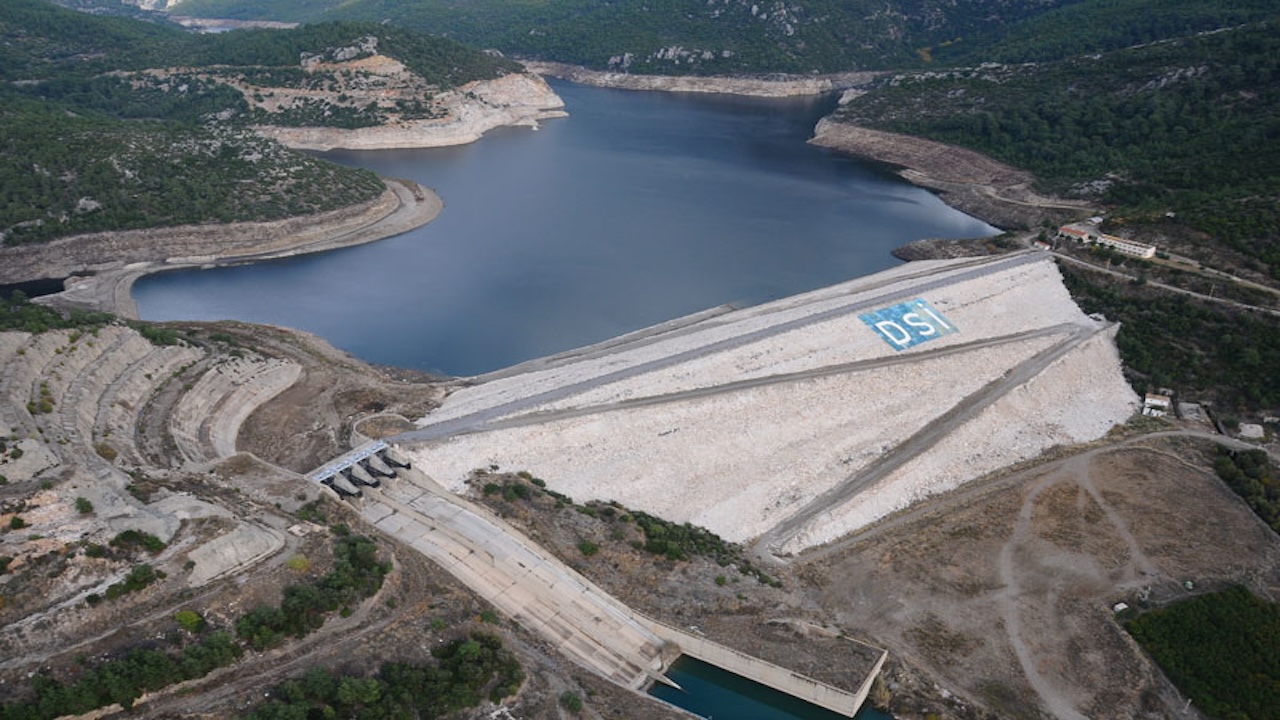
column 908, row 324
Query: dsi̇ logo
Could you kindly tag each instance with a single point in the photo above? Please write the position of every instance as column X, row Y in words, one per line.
column 908, row 324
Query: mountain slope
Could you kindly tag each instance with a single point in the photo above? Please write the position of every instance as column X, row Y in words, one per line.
column 112, row 123
column 749, row 36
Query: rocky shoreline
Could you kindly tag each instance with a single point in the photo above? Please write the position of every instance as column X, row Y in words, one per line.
column 100, row 268
column 518, row 99
column 966, row 180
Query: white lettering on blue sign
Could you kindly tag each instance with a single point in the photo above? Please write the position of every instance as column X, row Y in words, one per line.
column 908, row 324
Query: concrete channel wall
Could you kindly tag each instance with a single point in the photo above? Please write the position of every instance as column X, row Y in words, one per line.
column 766, row 673
column 520, row 579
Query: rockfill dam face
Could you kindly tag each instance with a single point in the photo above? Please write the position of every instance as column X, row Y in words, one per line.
column 793, row 423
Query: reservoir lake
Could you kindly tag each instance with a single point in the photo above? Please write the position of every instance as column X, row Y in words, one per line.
column 636, row 209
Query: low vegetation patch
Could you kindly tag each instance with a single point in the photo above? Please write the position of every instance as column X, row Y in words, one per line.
column 138, row 578
column 1250, row 474
column 17, row 312
column 1221, row 649
column 466, row 672
column 357, row 574
column 123, row 679
column 1200, row 349
column 197, row 651
column 137, row 539
column 662, row 538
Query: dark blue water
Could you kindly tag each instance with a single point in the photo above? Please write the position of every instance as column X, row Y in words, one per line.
column 637, row 208
column 715, row 693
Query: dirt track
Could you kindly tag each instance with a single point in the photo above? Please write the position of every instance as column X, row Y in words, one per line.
column 1003, row 589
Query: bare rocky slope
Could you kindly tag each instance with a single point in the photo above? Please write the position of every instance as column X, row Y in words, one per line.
column 458, row 116
column 966, row 180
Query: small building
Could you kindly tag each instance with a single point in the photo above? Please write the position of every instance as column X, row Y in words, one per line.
column 1077, row 233
column 1156, row 405
column 1088, row 234
column 1127, row 247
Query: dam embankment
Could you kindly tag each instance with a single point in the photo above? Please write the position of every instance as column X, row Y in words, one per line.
column 795, row 422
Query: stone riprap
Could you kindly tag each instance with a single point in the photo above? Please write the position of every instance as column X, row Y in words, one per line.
column 796, row 422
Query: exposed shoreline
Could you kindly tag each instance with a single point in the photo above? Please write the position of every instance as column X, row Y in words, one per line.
column 973, row 183
column 777, row 86
column 107, row 287
column 968, row 181
column 515, row 100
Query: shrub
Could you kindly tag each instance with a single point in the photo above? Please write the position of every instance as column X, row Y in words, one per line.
column 138, row 578
column 190, row 621
column 105, row 451
column 83, row 506
column 1219, row 649
column 588, row 548
column 570, row 701
column 137, row 538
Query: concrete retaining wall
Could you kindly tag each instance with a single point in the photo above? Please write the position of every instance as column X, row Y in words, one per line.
column 766, row 673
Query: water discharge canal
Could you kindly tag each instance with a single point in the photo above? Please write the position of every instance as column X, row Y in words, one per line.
column 713, row 692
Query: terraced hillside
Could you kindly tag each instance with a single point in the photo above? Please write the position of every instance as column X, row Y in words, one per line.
column 81, row 407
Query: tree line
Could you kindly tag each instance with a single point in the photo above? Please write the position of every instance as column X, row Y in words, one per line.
column 1222, row 649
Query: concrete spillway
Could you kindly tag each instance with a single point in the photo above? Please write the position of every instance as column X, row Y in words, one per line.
column 800, row 420
column 524, row 583
column 543, row 594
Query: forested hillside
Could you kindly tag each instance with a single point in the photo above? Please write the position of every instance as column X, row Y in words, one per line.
column 747, row 36
column 62, row 174
column 1180, row 141
column 114, row 123
column 1189, row 127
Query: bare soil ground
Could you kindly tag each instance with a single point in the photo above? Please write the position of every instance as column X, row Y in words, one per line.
column 312, row 421
column 1003, row 591
column 993, row 601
